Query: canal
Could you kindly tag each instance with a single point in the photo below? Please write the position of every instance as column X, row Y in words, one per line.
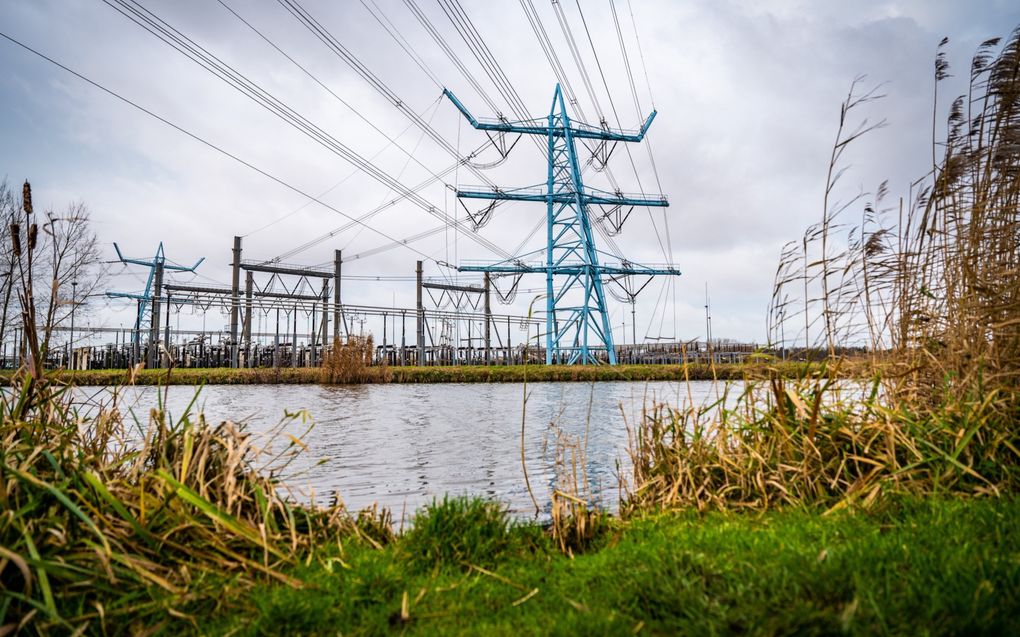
column 402, row 445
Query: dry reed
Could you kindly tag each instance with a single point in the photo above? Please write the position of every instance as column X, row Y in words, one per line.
column 934, row 296
column 351, row 362
column 107, row 525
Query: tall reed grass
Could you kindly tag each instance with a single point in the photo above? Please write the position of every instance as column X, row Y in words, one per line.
column 935, row 298
column 111, row 524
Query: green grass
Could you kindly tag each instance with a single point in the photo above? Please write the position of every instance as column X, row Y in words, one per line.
column 459, row 531
column 918, row 567
column 437, row 374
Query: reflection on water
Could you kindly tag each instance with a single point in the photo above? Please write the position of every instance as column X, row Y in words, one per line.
column 402, row 445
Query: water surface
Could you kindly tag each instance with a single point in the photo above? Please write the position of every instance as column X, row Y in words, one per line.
column 401, row 445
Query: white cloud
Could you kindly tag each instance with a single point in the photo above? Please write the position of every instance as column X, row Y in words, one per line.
column 747, row 94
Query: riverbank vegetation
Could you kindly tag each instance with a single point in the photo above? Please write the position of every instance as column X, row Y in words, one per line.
column 933, row 566
column 436, row 374
column 804, row 505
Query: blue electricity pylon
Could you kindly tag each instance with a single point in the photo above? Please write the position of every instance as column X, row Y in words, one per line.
column 157, row 265
column 577, row 320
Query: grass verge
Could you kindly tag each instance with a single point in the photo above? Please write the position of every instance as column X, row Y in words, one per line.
column 915, row 567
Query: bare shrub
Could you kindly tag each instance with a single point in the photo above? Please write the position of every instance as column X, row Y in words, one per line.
column 351, row 362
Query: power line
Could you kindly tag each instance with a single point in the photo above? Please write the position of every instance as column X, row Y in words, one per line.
column 483, row 55
column 323, row 193
column 609, row 94
column 450, row 54
column 641, row 53
column 666, row 253
column 304, row 70
column 550, row 51
column 471, row 37
column 626, row 59
column 338, row 49
column 401, row 41
column 465, row 28
column 415, row 121
column 633, row 87
column 534, row 19
column 476, row 44
column 206, row 143
column 637, row 105
column 399, row 175
column 575, row 53
column 210, row 62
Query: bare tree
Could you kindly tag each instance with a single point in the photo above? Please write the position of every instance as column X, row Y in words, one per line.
column 61, row 270
column 9, row 208
column 71, row 264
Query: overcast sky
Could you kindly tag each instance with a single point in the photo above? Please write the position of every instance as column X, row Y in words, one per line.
column 747, row 95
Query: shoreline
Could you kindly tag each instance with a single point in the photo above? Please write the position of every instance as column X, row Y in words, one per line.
column 430, row 375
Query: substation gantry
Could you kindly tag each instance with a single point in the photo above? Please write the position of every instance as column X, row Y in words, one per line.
column 577, row 319
column 157, row 265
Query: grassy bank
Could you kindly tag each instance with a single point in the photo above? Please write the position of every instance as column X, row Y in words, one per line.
column 800, row 504
column 781, row 513
column 438, row 374
column 920, row 567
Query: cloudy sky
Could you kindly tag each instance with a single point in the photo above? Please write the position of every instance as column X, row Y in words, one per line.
column 747, row 95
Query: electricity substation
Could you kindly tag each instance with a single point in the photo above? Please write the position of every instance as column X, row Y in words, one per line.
column 275, row 312
column 286, row 315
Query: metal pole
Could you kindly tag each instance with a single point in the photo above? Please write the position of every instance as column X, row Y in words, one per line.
column 403, row 338
column 536, row 335
column 248, row 284
column 550, row 300
column 74, row 306
column 488, row 321
column 154, row 326
column 166, row 339
column 136, row 339
column 276, row 342
column 633, row 320
column 293, row 347
column 421, row 318
column 337, row 311
column 313, row 337
column 325, row 318
column 708, row 327
column 235, row 301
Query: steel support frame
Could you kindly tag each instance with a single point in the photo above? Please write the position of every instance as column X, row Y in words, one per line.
column 159, row 264
column 576, row 329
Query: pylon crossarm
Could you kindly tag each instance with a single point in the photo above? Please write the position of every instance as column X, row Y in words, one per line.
column 151, row 262
column 578, row 130
column 601, row 197
column 639, row 270
column 627, row 267
column 127, row 295
column 502, row 268
column 516, row 194
column 538, row 193
column 568, row 269
column 183, row 268
column 123, row 259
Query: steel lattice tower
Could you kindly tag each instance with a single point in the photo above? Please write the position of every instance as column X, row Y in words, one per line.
column 156, row 265
column 577, row 319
